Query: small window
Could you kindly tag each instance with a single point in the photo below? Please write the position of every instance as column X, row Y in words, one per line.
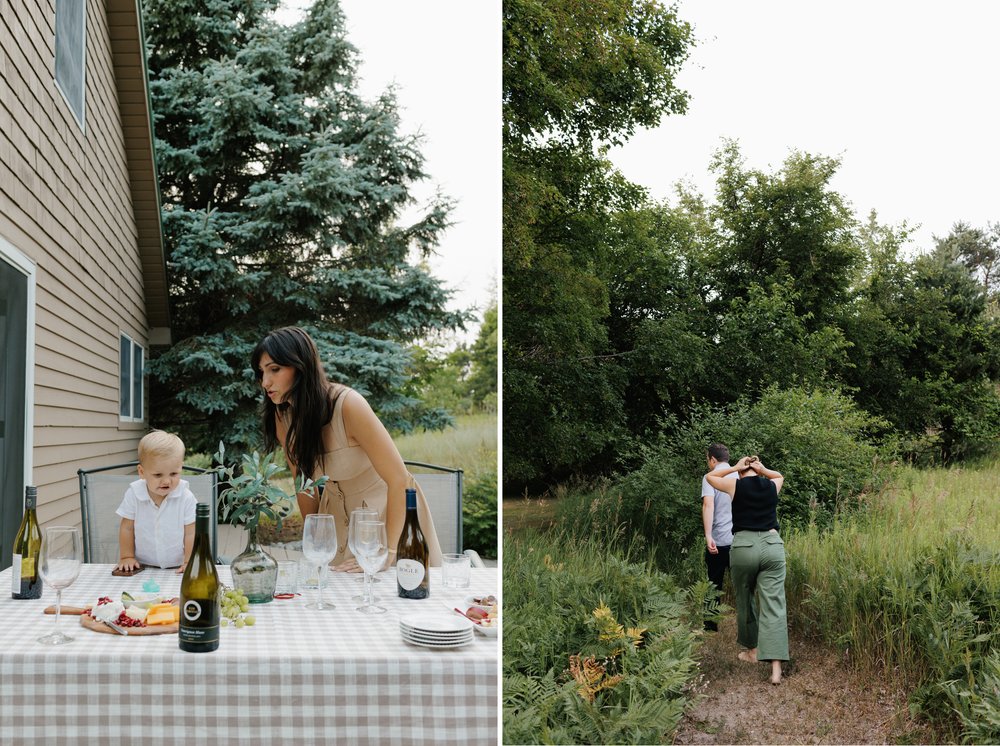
column 71, row 53
column 131, row 366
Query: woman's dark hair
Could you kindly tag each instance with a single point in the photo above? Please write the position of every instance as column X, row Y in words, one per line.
column 310, row 400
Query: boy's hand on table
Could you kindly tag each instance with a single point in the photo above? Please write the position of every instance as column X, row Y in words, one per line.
column 129, row 564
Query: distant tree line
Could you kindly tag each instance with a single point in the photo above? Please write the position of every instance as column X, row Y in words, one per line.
column 622, row 317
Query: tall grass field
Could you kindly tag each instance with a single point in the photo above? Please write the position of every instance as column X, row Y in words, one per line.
column 472, row 447
column 911, row 587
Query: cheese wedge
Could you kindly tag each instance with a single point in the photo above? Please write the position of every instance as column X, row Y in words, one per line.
column 163, row 614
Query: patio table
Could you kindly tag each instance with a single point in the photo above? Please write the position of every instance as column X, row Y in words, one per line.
column 298, row 676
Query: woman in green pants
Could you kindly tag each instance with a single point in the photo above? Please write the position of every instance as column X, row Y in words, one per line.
column 757, row 562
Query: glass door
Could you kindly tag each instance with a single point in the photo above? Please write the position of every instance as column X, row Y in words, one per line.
column 13, row 369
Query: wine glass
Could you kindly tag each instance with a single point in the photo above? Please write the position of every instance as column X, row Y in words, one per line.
column 358, row 514
column 373, row 550
column 59, row 565
column 319, row 545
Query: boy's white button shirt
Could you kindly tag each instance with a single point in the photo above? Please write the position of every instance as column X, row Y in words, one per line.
column 159, row 531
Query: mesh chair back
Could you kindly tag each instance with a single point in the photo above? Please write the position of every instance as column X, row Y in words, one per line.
column 443, row 489
column 101, row 492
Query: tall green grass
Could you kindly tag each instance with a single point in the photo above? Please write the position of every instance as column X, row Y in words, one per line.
column 471, row 445
column 911, row 586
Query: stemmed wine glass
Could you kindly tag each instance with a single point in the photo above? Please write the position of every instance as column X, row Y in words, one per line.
column 372, row 552
column 358, row 514
column 59, row 565
column 319, row 545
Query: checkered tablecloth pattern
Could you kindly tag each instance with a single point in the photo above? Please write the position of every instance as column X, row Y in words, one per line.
column 298, row 676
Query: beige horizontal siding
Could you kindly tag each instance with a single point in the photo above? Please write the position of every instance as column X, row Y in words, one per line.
column 66, row 202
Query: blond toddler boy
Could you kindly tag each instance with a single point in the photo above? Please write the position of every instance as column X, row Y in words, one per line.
column 157, row 512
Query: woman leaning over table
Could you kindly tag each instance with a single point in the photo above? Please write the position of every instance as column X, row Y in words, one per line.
column 329, row 429
column 757, row 562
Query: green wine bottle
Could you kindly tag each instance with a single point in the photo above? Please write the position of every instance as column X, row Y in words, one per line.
column 25, row 580
column 199, row 625
column 412, row 577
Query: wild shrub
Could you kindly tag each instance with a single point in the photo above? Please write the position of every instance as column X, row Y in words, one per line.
column 598, row 645
column 820, row 441
column 479, row 513
column 978, row 706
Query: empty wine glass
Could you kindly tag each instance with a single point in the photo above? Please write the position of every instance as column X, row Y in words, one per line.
column 358, row 514
column 373, row 550
column 319, row 545
column 59, row 565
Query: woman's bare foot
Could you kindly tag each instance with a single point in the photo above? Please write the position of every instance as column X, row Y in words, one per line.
column 775, row 672
column 748, row 656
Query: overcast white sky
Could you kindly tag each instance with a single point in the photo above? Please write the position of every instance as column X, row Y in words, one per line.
column 903, row 92
column 444, row 58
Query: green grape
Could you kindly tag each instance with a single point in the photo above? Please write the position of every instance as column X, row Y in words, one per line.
column 233, row 604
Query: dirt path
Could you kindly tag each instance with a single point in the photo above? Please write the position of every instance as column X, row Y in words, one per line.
column 820, row 700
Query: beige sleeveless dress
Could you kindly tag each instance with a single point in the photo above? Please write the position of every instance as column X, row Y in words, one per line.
column 354, row 483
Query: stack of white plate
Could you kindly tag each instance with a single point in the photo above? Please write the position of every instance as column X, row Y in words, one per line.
column 437, row 630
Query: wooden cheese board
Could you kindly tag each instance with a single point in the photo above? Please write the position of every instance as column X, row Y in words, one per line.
column 86, row 620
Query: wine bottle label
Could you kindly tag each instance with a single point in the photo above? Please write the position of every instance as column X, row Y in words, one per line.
column 199, row 635
column 15, row 576
column 192, row 610
column 409, row 573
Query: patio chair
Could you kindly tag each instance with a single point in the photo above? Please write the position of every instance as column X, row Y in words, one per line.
column 101, row 492
column 443, row 489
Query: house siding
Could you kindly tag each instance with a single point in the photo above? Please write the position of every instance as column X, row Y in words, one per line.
column 66, row 202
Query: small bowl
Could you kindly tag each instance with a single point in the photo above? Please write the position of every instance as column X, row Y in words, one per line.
column 490, row 631
column 142, row 602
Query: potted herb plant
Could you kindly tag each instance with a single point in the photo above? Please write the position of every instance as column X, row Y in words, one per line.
column 251, row 493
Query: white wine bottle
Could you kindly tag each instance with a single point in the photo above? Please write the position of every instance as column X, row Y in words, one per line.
column 25, row 580
column 199, row 625
column 412, row 578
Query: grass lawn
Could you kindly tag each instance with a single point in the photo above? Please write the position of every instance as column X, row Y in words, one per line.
column 471, row 445
column 520, row 513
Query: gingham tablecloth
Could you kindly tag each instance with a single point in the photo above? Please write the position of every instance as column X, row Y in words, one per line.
column 298, row 676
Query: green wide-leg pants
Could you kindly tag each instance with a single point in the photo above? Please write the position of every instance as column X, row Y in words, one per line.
column 757, row 568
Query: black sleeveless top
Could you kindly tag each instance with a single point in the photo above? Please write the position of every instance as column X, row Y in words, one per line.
column 755, row 506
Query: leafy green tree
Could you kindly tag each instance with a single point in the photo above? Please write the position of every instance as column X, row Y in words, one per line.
column 976, row 248
column 926, row 356
column 576, row 75
column 281, row 189
column 482, row 381
column 590, row 70
column 562, row 385
column 658, row 321
column 459, row 380
column 784, row 229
